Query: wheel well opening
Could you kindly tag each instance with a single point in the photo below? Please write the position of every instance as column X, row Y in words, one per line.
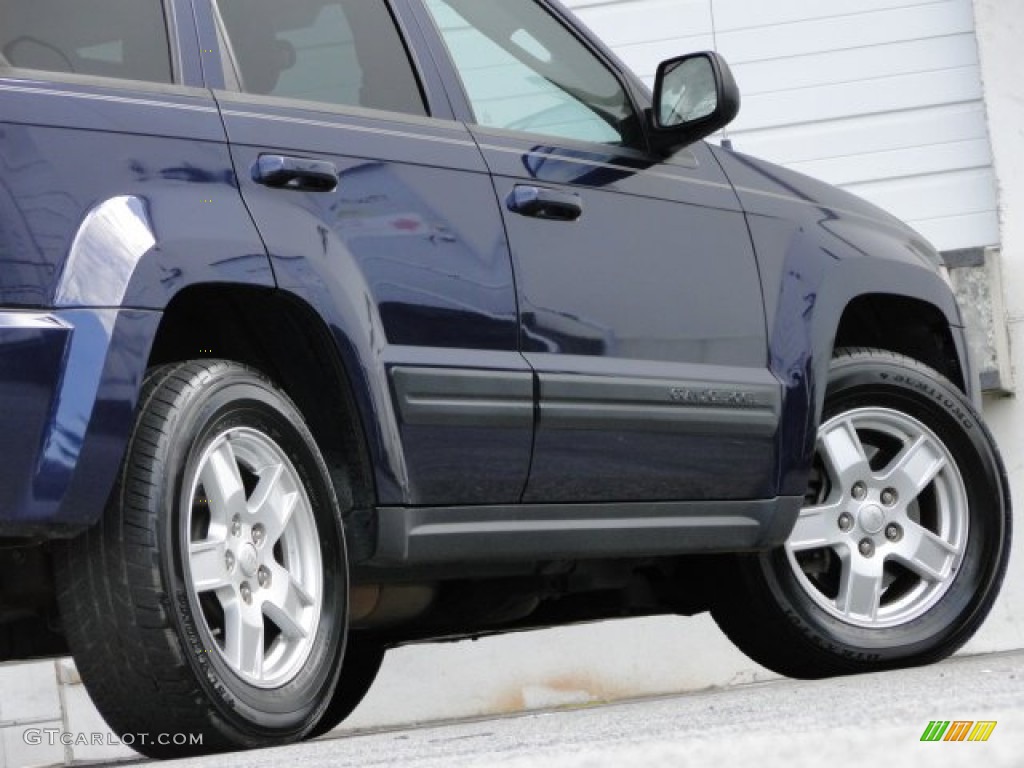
column 903, row 325
column 284, row 339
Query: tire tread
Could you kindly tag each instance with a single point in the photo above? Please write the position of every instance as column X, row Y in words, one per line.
column 111, row 594
column 746, row 611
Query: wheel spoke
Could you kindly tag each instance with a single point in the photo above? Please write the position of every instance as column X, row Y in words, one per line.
column 860, row 586
column 273, row 503
column 929, row 556
column 287, row 604
column 891, row 538
column 843, row 452
column 259, row 557
column 914, row 468
column 223, row 484
column 816, row 527
column 206, row 561
column 243, row 638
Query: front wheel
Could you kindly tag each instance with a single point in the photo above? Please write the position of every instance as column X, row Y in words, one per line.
column 207, row 610
column 902, row 543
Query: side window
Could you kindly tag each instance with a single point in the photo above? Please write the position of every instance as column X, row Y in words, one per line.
column 522, row 70
column 346, row 52
column 125, row 39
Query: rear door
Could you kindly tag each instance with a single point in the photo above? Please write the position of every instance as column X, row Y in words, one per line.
column 641, row 307
column 377, row 210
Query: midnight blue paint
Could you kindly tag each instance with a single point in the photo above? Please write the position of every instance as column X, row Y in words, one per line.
column 819, row 248
column 61, row 156
column 679, row 268
column 408, row 252
column 69, row 386
column 639, row 280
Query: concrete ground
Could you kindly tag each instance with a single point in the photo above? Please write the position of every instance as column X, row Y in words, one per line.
column 867, row 720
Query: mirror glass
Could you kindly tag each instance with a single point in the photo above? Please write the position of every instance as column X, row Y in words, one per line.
column 689, row 92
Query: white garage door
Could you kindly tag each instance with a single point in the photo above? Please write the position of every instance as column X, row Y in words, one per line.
column 882, row 97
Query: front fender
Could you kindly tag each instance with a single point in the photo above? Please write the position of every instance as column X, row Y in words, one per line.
column 819, row 249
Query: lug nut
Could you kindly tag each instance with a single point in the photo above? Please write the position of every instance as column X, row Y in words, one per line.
column 236, row 526
column 890, row 497
column 893, row 532
column 846, row 522
column 259, row 535
column 866, row 547
column 246, row 591
column 860, row 491
column 229, row 561
column 263, row 575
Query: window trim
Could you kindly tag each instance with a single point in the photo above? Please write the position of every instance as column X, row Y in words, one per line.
column 226, row 51
column 463, row 105
column 174, row 39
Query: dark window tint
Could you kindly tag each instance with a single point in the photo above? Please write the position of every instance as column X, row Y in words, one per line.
column 109, row 38
column 340, row 52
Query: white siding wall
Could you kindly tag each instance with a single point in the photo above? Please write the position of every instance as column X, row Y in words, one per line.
column 882, row 97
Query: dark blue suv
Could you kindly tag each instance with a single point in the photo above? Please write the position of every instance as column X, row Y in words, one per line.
column 331, row 325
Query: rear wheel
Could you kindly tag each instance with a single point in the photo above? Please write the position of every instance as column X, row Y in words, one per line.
column 208, row 607
column 904, row 538
column 363, row 660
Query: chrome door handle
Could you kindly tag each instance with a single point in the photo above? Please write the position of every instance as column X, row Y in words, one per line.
column 544, row 203
column 298, row 173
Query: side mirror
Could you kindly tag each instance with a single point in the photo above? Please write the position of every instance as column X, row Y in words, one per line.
column 694, row 96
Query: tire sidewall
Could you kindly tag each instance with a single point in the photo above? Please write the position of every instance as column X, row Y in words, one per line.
column 360, row 668
column 239, row 398
column 864, row 381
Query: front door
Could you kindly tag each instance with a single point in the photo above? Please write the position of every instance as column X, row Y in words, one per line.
column 640, row 302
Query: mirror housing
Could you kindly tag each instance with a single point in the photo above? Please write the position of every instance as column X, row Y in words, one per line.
column 694, row 96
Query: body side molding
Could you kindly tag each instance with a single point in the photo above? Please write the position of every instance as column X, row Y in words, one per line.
column 573, row 401
column 464, row 397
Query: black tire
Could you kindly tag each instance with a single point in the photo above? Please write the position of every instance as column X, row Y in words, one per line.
column 363, row 659
column 916, row 598
column 148, row 640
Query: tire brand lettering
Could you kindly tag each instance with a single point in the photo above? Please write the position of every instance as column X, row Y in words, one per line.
column 932, row 393
column 846, row 653
column 192, row 637
column 199, row 650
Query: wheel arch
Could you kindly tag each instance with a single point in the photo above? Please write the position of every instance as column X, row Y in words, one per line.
column 897, row 305
column 904, row 325
column 287, row 340
column 900, row 306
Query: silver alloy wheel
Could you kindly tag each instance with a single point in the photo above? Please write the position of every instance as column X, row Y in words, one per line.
column 254, row 561
column 886, row 526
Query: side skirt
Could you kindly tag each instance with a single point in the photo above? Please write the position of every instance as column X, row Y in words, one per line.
column 517, row 533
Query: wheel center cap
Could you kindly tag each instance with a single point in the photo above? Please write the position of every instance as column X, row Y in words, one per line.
column 249, row 560
column 871, row 518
